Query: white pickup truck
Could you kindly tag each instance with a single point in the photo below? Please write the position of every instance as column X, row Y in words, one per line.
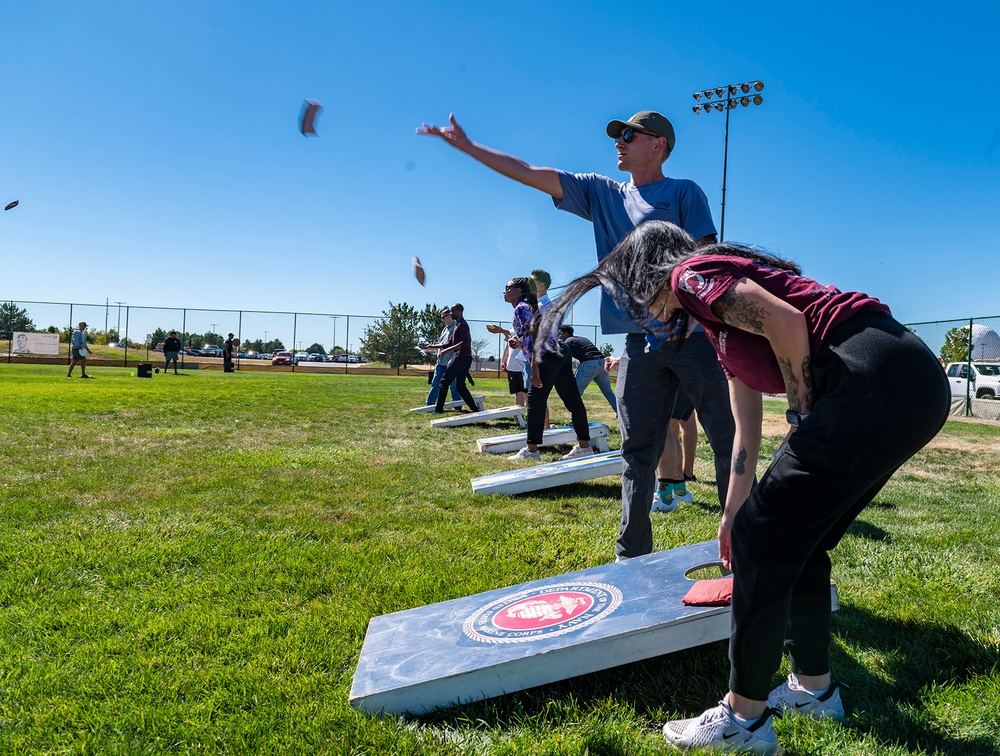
column 985, row 379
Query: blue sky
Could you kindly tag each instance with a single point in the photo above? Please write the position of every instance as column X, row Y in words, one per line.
column 155, row 152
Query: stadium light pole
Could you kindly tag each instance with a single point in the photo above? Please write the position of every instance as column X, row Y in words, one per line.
column 728, row 97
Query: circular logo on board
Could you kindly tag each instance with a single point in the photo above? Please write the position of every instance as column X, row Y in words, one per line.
column 542, row 612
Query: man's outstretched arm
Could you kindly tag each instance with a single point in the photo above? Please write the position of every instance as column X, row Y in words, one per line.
column 543, row 179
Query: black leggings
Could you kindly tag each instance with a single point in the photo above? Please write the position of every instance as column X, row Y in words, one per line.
column 556, row 371
column 881, row 396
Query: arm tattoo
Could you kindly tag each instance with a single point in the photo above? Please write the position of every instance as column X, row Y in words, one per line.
column 807, row 379
column 800, row 397
column 736, row 310
column 740, row 462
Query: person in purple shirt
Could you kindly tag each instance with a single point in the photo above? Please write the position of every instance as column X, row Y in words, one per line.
column 553, row 369
column 864, row 395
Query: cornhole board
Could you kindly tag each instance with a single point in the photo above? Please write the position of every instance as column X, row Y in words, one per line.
column 550, row 475
column 484, row 416
column 457, row 404
column 511, row 639
column 561, row 435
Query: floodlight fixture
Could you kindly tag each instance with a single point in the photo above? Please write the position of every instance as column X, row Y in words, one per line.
column 731, row 103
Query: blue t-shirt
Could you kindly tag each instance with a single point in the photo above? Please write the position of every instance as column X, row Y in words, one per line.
column 78, row 339
column 615, row 208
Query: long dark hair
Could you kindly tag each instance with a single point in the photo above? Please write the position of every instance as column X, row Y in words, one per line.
column 637, row 270
column 527, row 294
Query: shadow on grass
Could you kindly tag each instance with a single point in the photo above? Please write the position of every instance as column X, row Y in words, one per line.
column 590, row 490
column 862, row 529
column 917, row 658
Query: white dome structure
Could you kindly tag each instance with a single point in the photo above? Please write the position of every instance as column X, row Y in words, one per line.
column 985, row 343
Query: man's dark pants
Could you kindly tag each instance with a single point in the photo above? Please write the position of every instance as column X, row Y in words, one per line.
column 646, row 391
column 458, row 370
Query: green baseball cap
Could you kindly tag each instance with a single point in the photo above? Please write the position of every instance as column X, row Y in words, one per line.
column 645, row 120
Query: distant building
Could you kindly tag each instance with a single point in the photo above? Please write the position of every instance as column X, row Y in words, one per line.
column 985, row 343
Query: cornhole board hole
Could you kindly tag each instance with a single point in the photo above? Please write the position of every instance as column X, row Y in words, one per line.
column 457, row 404
column 511, row 639
column 484, row 416
column 561, row 435
column 550, row 475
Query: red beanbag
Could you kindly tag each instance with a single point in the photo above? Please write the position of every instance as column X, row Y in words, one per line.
column 717, row 592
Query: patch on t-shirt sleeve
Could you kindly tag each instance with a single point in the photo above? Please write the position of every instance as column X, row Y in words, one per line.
column 695, row 283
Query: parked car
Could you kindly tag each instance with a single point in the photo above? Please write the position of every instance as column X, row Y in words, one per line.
column 340, row 358
column 317, row 357
column 211, row 350
column 282, row 358
column 985, row 379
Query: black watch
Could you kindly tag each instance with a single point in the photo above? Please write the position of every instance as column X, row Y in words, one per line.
column 795, row 418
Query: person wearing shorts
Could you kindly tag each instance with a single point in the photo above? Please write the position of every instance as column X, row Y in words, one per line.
column 78, row 350
column 513, row 364
column 171, row 350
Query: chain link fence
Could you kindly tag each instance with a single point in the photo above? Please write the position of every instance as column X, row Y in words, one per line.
column 127, row 334
column 970, row 353
column 969, row 349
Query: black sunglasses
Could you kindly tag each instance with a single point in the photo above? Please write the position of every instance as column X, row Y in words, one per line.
column 629, row 134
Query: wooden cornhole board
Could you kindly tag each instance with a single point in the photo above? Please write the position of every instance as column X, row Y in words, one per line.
column 484, row 416
column 551, row 437
column 511, row 639
column 550, row 475
column 457, row 404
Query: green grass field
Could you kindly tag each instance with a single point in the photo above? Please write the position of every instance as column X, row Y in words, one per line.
column 188, row 565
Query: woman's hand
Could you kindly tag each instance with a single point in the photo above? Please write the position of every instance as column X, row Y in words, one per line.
column 536, row 376
column 726, row 541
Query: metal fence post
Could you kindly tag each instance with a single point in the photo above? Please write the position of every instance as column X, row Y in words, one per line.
column 968, row 379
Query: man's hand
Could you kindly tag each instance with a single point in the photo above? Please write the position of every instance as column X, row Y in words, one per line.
column 611, row 364
column 454, row 134
column 543, row 179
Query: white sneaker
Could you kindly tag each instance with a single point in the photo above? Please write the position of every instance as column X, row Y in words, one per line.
column 790, row 697
column 525, row 455
column 663, row 502
column 716, row 729
column 579, row 451
column 685, row 498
